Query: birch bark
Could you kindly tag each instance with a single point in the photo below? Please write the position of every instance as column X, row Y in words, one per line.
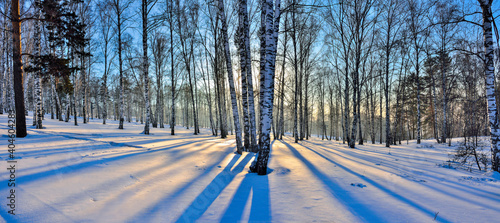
column 490, row 82
column 234, row 102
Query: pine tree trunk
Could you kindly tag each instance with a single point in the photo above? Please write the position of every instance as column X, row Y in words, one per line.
column 17, row 67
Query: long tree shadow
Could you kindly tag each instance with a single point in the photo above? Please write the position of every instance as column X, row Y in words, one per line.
column 260, row 208
column 157, row 169
column 99, row 138
column 434, row 175
column 351, row 203
column 69, row 168
column 203, row 201
column 377, row 185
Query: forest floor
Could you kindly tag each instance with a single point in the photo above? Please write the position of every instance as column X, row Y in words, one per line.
column 97, row 173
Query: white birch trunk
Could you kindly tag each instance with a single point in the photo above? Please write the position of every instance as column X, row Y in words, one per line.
column 36, row 75
column 145, row 64
column 490, row 83
column 243, row 24
column 234, row 102
column 251, row 101
column 271, row 35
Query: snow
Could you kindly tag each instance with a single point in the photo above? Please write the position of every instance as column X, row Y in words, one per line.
column 98, row 173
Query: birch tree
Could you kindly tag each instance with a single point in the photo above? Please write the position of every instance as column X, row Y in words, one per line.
column 159, row 48
column 250, row 138
column 186, row 28
column 227, row 53
column 171, row 25
column 146, row 7
column 361, row 21
column 390, row 29
column 3, row 57
column 37, row 121
column 105, row 26
column 494, row 125
column 119, row 8
column 271, row 24
column 417, row 27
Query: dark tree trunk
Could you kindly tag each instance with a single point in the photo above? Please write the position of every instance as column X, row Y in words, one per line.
column 18, row 71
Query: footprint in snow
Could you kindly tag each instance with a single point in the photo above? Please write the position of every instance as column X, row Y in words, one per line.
column 134, row 178
column 358, row 185
column 281, row 171
column 200, row 167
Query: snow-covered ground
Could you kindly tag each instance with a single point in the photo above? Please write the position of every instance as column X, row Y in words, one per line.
column 97, row 173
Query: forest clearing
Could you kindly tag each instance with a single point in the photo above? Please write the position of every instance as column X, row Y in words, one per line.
column 249, row 110
column 93, row 174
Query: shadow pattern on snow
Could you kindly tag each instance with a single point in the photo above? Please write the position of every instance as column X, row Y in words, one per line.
column 365, row 212
column 364, row 159
column 203, row 201
column 261, row 208
column 338, row 192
